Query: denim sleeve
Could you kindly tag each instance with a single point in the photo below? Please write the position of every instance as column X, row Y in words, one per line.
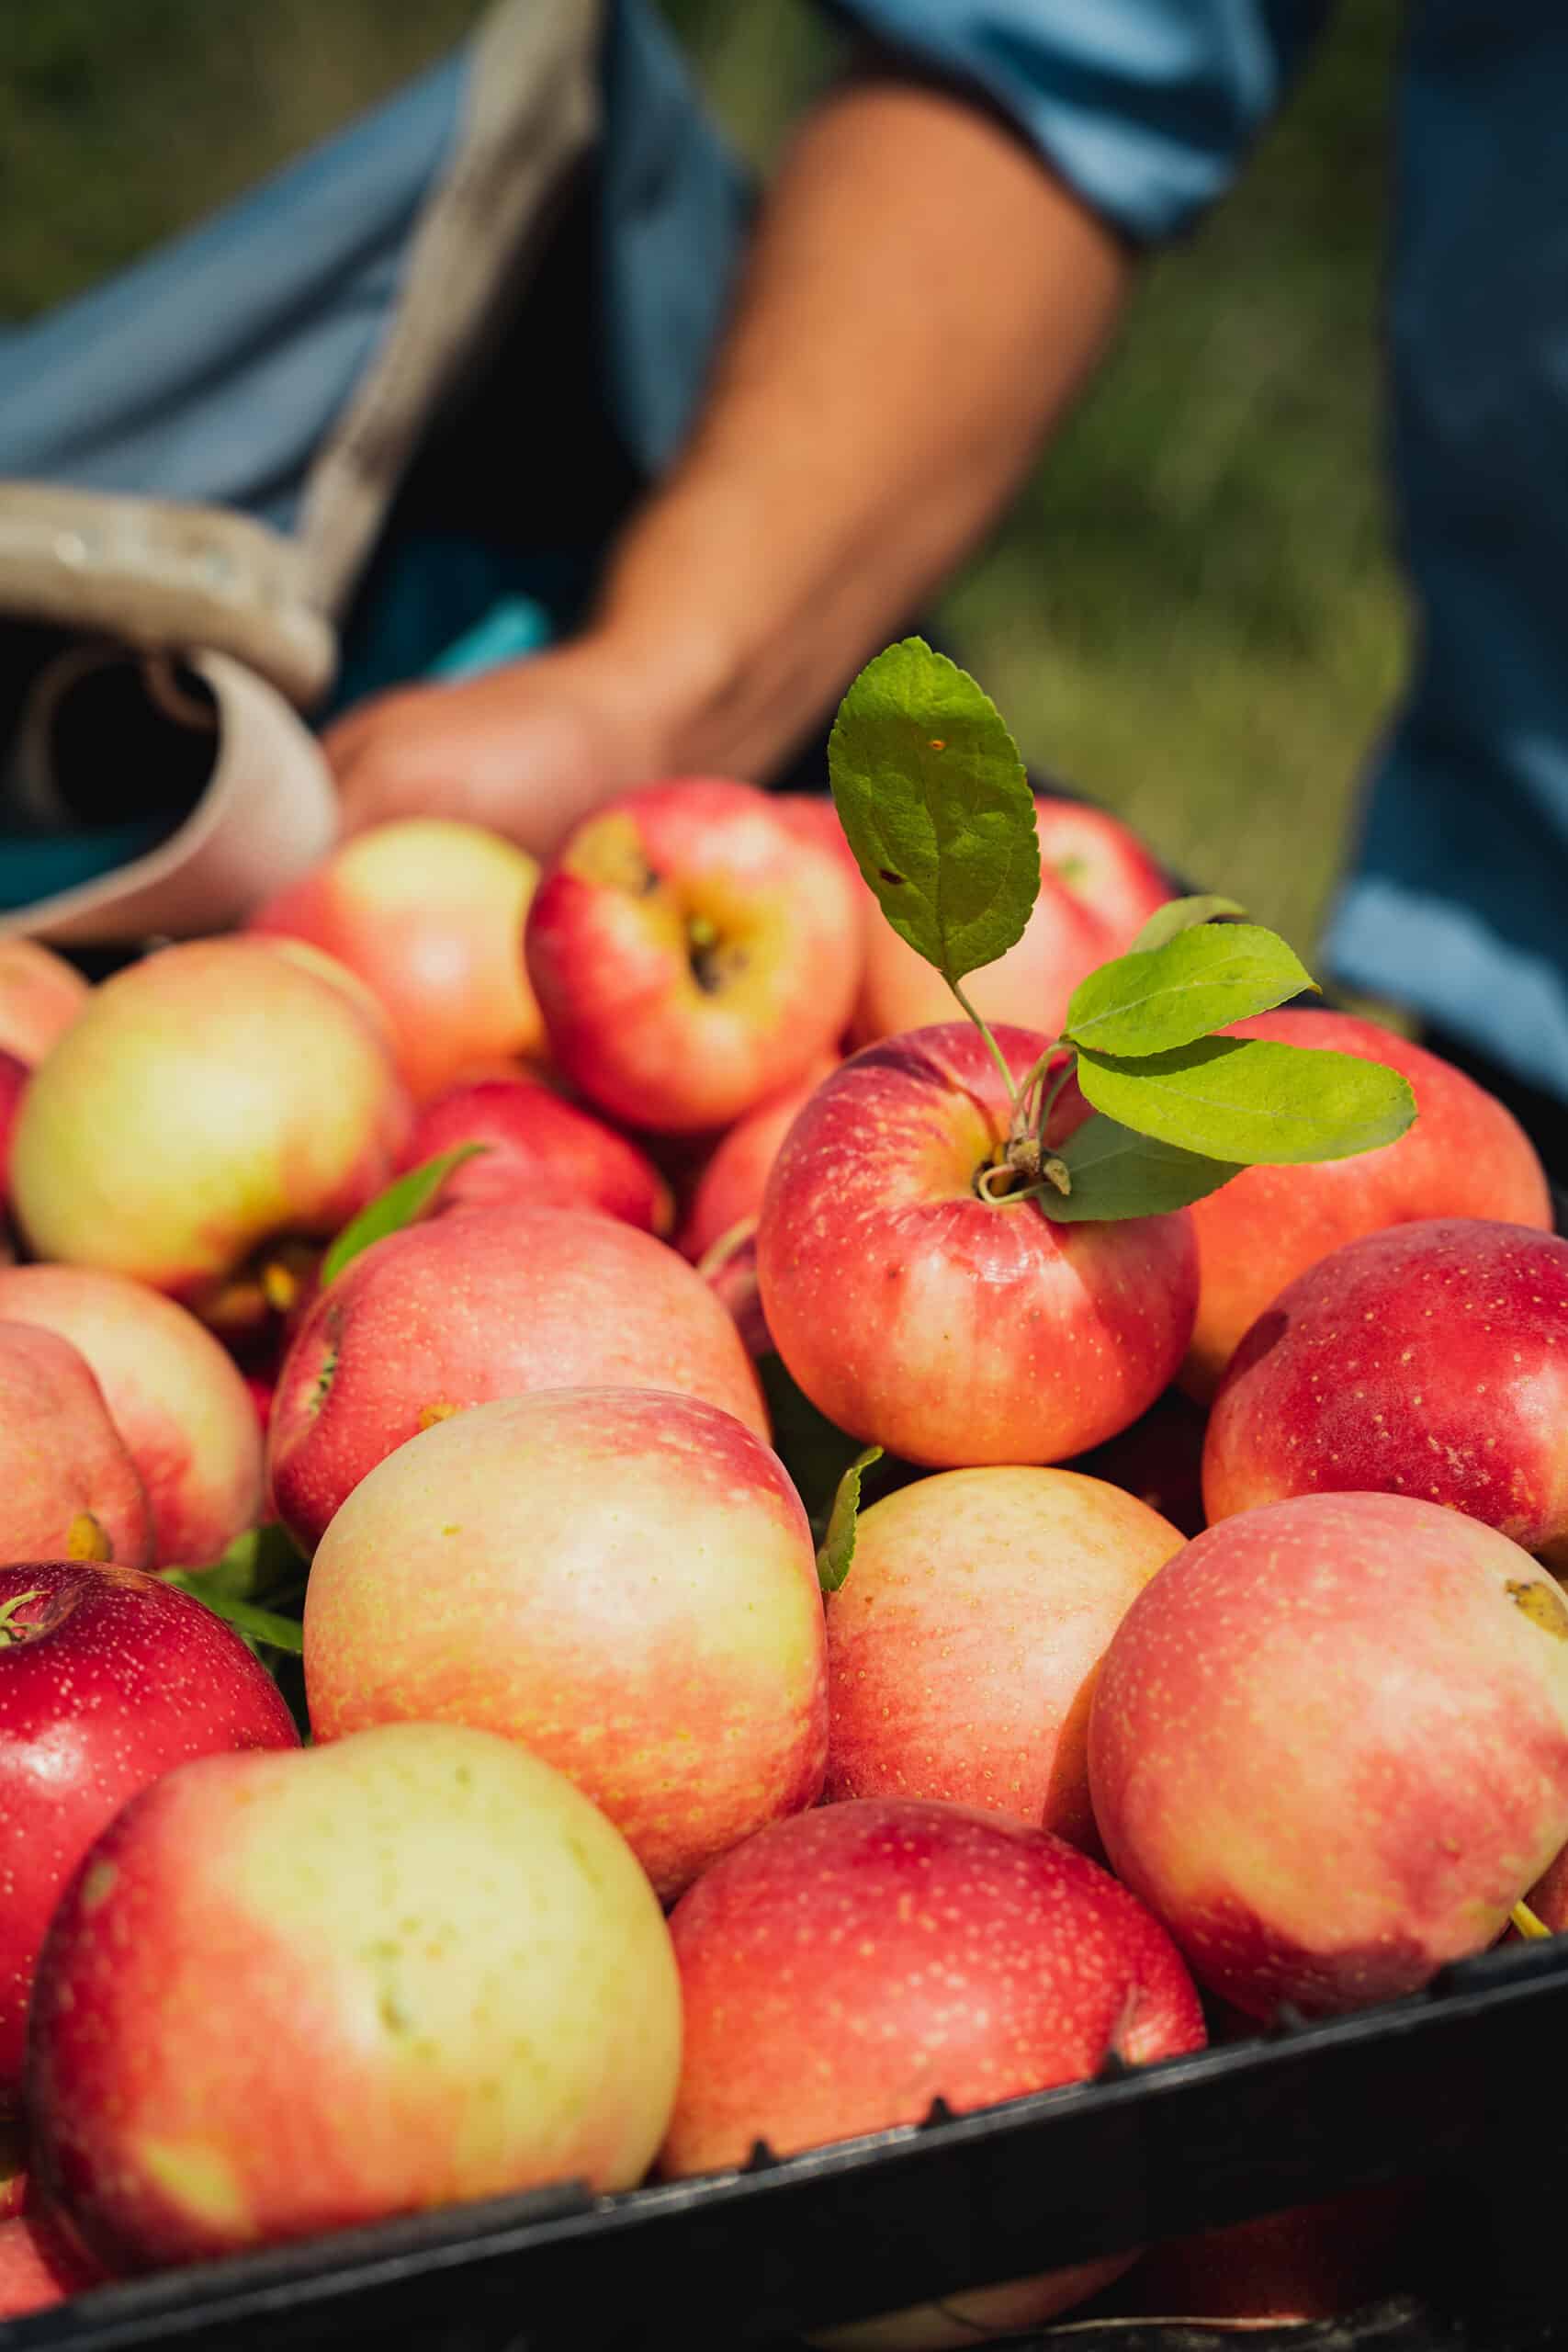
column 1144, row 108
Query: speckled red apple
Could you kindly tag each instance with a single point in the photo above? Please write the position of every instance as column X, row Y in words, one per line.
column 952, row 1329
column 621, row 1580
column 428, row 912
column 286, row 1993
column 1430, row 1360
column 67, row 1481
column 1465, row 1156
column 963, row 1646
column 842, row 1970
column 207, row 1100
column 538, row 1148
column 108, row 1679
column 492, row 1302
column 1329, row 1746
column 692, row 954
column 173, row 1393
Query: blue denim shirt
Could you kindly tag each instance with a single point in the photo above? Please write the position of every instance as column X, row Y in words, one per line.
column 213, row 367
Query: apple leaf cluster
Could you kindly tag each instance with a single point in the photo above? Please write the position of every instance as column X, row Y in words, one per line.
column 936, row 805
column 266, row 1561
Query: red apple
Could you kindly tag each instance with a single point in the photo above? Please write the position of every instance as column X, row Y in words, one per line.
column 428, row 912
column 40, row 995
column 67, row 1484
column 842, row 1969
column 539, row 1149
column 730, row 1190
column 952, row 1329
column 490, row 1304
column 209, row 1099
column 1161, row 1459
column 286, row 1994
column 1431, row 1360
column 108, row 1679
column 1465, row 1156
column 173, row 1392
column 692, row 953
column 14, row 1076
column 1098, row 887
column 963, row 1646
column 41, row 2265
column 621, row 1580
column 1329, row 1746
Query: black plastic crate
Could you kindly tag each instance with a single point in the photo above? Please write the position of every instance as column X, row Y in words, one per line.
column 1465, row 2085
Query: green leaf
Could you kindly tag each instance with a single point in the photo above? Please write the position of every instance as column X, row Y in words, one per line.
column 813, row 1449
column 1116, row 1174
column 261, row 1561
column 934, row 802
column 404, row 1202
column 1203, row 979
column 257, row 1626
column 1251, row 1099
column 838, row 1548
column 1179, row 915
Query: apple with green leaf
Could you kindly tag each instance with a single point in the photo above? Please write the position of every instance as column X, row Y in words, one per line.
column 955, row 1259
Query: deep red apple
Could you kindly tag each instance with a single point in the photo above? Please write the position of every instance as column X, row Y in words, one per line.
column 1465, row 1156
column 729, row 1190
column 692, row 953
column 68, row 1486
column 14, row 1076
column 108, row 1679
column 539, row 1149
column 842, row 1969
column 963, row 1645
column 1329, row 1746
column 1431, row 1360
column 491, row 1302
column 953, row 1329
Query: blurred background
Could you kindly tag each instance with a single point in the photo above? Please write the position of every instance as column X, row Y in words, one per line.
column 1192, row 613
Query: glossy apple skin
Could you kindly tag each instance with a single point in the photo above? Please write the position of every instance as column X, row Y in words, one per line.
column 286, row 1993
column 539, row 1149
column 964, row 1643
column 117, row 1679
column 951, row 1330
column 621, row 1580
column 1431, row 1360
column 1098, row 887
column 207, row 1099
column 41, row 2265
column 492, row 1302
column 842, row 1970
column 173, row 1392
column 1395, row 1677
column 40, row 995
column 729, row 1190
column 661, row 1031
column 1465, row 1156
column 429, row 912
column 61, row 1456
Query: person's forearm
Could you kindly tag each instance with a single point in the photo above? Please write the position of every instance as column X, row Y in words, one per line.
column 922, row 302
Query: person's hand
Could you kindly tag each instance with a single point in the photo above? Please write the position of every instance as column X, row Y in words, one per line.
column 526, row 749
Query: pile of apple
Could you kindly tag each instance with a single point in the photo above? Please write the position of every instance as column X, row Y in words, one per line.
column 474, row 1234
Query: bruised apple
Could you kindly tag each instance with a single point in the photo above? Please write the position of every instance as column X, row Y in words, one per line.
column 964, row 1643
column 491, row 1302
column 1329, row 1746
column 206, row 1101
column 840, row 1971
column 692, row 954
column 953, row 1329
column 286, row 1993
column 621, row 1580
column 1430, row 1360
column 1465, row 1156
column 428, row 912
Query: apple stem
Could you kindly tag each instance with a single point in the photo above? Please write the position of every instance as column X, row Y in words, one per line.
column 719, row 1253
column 1052, row 1098
column 16, row 1634
column 1533, row 1929
column 991, row 1046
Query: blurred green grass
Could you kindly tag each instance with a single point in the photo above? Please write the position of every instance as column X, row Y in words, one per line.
column 1190, row 612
